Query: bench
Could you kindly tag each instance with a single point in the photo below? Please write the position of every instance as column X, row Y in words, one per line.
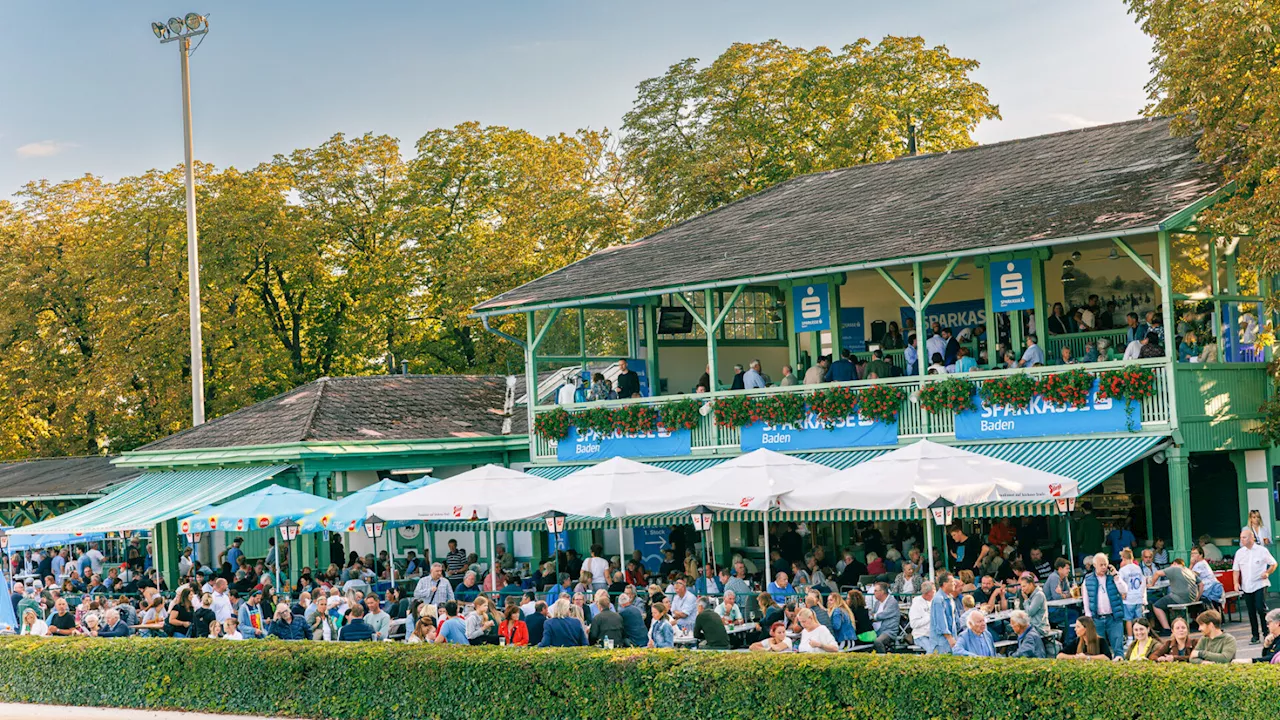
column 397, row 630
column 1185, row 609
column 1231, row 600
column 1004, row 647
column 868, row 647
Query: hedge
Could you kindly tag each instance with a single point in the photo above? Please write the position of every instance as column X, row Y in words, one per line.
column 393, row 680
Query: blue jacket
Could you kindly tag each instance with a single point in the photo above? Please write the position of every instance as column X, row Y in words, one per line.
column 633, row 626
column 120, row 629
column 1030, row 644
column 942, row 621
column 973, row 645
column 563, row 632
column 246, row 625
column 535, row 623
column 355, row 629
column 841, row 371
column 295, row 630
column 842, row 626
column 662, row 634
column 555, row 591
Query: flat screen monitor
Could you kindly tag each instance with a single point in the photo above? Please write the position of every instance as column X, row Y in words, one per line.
column 674, row 321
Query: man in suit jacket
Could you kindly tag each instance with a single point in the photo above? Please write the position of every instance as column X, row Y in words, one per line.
column 534, row 621
column 632, row 622
column 606, row 623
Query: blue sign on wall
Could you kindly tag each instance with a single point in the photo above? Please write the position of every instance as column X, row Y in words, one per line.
column 853, row 331
column 590, row 445
column 1040, row 419
column 1011, row 287
column 558, row 541
column 813, row 434
column 810, row 308
column 651, row 541
column 955, row 315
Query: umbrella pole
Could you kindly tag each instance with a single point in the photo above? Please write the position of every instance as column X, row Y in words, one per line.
column 279, row 581
column 1071, row 551
column 391, row 558
column 426, row 538
column 493, row 557
column 928, row 531
column 767, row 574
column 622, row 548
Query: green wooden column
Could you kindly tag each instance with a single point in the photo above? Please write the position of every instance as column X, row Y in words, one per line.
column 1215, row 288
column 1179, row 463
column 651, row 348
column 168, row 550
column 1041, row 301
column 709, row 327
column 788, row 329
column 833, row 304
column 1170, row 330
column 917, row 293
column 993, row 327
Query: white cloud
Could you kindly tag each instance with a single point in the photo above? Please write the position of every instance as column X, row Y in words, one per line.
column 44, row 148
column 1074, row 121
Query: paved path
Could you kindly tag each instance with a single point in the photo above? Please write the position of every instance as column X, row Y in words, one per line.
column 18, row 711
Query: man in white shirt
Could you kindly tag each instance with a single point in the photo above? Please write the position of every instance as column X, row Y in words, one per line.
column 752, row 378
column 684, row 606
column 95, row 558
column 935, row 345
column 221, row 601
column 1252, row 568
column 919, row 616
column 434, row 589
column 1033, row 355
column 814, row 636
column 1133, row 588
column 567, row 391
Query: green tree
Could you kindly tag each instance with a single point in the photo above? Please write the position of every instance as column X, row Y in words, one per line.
column 759, row 114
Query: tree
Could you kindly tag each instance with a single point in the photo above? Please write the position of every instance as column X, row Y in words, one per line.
column 697, row 138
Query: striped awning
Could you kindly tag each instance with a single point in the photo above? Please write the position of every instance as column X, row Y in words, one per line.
column 1088, row 461
column 154, row 498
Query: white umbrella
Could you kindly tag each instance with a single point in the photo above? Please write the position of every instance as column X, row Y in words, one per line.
column 462, row 497
column 608, row 488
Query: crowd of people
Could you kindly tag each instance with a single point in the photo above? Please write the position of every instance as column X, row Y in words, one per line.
column 1001, row 594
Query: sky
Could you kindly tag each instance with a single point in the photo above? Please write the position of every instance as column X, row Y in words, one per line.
column 88, row 89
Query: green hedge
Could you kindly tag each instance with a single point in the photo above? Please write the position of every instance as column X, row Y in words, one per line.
column 392, row 680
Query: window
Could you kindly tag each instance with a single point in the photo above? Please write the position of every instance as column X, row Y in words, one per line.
column 755, row 317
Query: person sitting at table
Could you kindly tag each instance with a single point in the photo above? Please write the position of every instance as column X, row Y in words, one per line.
column 563, row 629
column 841, row 616
column 1030, row 641
column 1033, row 602
column 975, row 640
column 875, row 564
column 482, row 623
column 863, row 628
column 1144, row 645
column 709, row 628
column 423, row 632
column 814, row 636
column 1211, row 589
column 907, row 582
column 605, row 623
column 886, row 617
column 662, row 632
column 780, row 589
column 770, row 611
column 775, row 641
column 33, row 625
column 1184, row 587
column 1215, row 646
column 684, row 605
column 515, row 630
column 468, row 589
column 990, row 596
column 1088, row 644
column 729, row 611
column 1179, row 645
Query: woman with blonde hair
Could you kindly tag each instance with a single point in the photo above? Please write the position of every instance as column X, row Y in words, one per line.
column 584, row 583
column 482, row 623
column 33, row 625
column 1261, row 534
column 423, row 632
column 563, row 629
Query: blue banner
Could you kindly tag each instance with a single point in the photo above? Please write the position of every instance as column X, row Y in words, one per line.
column 1040, row 419
column 651, row 541
column 590, row 445
column 955, row 315
column 810, row 308
column 558, row 541
column 853, row 331
column 1011, row 287
column 813, row 434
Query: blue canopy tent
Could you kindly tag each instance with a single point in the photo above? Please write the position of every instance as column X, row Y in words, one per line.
column 259, row 510
column 8, row 623
column 34, row 542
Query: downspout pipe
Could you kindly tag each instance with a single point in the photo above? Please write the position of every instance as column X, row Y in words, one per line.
column 484, row 320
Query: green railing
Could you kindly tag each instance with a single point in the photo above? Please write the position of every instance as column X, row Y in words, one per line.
column 913, row 420
column 1077, row 342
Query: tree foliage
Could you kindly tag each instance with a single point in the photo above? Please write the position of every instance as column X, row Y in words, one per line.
column 762, row 113
column 337, row 259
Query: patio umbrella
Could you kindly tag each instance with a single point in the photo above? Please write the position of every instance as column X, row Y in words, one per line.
column 259, row 510
column 461, row 497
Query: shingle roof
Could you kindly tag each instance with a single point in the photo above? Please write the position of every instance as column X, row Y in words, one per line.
column 379, row 407
column 51, row 477
column 1108, row 178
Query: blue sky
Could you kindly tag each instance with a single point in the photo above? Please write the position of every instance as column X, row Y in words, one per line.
column 87, row 88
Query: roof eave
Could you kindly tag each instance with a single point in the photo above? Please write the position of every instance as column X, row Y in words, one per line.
column 311, row 450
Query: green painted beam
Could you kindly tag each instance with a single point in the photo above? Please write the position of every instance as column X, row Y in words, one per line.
column 728, row 305
column 542, row 333
column 906, row 297
column 942, row 279
column 697, row 317
column 1170, row 330
column 917, row 302
column 651, row 350
column 1142, row 264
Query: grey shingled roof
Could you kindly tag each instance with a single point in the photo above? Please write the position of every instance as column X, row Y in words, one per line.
column 52, row 477
column 379, row 407
column 1108, row 178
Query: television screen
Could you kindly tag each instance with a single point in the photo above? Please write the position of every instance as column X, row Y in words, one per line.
column 674, row 321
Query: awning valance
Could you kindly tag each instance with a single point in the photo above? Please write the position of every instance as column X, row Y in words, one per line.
column 154, row 498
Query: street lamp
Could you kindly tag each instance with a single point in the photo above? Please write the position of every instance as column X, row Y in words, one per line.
column 555, row 525
column 181, row 30
column 373, row 527
column 193, row 539
column 288, row 532
column 702, row 523
column 943, row 512
column 1066, row 506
